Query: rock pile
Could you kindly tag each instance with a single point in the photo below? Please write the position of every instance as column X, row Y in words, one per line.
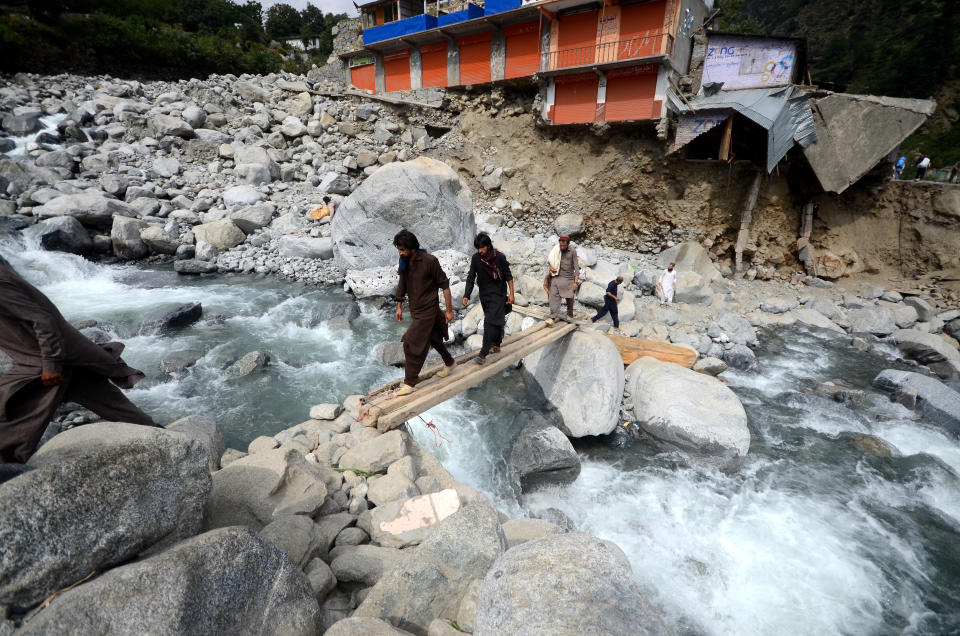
column 326, row 527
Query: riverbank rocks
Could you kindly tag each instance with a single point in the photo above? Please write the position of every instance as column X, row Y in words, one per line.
column 430, row 583
column 306, row 247
column 62, row 234
column 174, row 319
column 253, row 489
column 925, row 348
column 375, row 455
column 222, row 234
column 563, row 584
column 92, row 209
column 424, row 196
column 690, row 257
column 938, row 402
column 404, row 523
column 878, row 321
column 814, row 318
column 740, row 357
column 541, row 454
column 84, row 510
column 582, row 376
column 691, row 411
column 228, row 581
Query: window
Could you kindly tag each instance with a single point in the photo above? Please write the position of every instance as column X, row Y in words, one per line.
column 390, row 13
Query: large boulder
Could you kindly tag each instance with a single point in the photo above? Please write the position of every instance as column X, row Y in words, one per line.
column 938, row 402
column 253, row 489
column 222, row 234
column 691, row 257
column 541, row 454
column 431, row 581
column 166, row 125
column 253, row 217
column 375, row 455
column 306, row 247
column 925, row 348
column 255, row 165
column 228, row 581
column 737, row 328
column 693, row 289
column 691, row 411
column 424, row 196
column 569, row 224
column 101, row 494
column 125, row 238
column 160, row 239
column 582, row 376
column 878, row 321
column 90, row 208
column 568, row 583
column 372, row 282
column 814, row 318
column 62, row 234
column 925, row 309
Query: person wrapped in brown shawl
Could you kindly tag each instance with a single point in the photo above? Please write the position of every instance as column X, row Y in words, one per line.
column 53, row 363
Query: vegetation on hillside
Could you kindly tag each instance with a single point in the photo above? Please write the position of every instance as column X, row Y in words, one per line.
column 159, row 38
column 901, row 48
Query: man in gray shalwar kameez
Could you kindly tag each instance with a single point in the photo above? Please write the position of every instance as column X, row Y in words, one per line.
column 52, row 363
column 564, row 267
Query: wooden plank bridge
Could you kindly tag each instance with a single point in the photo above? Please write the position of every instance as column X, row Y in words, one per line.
column 386, row 410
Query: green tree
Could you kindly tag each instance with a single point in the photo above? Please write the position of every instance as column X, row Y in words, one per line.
column 282, row 21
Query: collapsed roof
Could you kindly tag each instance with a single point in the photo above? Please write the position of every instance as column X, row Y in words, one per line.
column 856, row 132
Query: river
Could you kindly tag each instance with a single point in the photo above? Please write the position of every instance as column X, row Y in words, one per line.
column 812, row 536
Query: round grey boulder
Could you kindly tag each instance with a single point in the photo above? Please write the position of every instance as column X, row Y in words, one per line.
column 563, row 584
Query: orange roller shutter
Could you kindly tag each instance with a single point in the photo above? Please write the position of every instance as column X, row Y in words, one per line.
column 576, row 100
column 396, row 71
column 523, row 49
column 576, row 39
column 364, row 77
column 433, row 59
column 639, row 24
column 475, row 58
column 630, row 95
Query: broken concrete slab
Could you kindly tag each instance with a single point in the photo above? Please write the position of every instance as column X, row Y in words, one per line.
column 856, row 132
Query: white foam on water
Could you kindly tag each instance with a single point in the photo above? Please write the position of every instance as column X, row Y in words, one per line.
column 48, row 124
column 732, row 555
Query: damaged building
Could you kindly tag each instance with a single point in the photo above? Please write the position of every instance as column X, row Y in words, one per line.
column 712, row 96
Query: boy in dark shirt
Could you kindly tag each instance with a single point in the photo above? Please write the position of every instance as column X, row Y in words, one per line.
column 610, row 299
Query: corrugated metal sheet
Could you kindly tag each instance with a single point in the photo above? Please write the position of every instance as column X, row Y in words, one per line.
column 784, row 112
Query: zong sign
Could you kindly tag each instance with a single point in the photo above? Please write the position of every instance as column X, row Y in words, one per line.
column 740, row 62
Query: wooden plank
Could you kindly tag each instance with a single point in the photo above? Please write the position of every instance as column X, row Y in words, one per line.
column 386, row 401
column 727, row 140
column 633, row 348
column 456, row 385
column 542, row 314
column 430, row 371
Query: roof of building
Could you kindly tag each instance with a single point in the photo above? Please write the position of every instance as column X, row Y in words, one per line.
column 784, row 112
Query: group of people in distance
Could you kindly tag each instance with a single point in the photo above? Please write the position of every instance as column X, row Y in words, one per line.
column 53, row 362
column 421, row 277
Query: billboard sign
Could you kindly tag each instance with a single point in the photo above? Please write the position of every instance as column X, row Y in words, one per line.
column 746, row 62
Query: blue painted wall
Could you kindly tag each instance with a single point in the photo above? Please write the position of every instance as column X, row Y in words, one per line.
column 399, row 28
column 499, row 6
column 472, row 11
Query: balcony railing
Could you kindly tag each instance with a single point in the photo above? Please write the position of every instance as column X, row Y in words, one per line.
column 633, row 49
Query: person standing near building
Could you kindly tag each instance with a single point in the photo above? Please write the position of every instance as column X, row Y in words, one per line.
column 666, row 284
column 922, row 166
column 490, row 270
column 562, row 278
column 610, row 300
column 53, row 363
column 420, row 278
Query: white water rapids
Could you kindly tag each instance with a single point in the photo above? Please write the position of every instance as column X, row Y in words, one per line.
column 813, row 536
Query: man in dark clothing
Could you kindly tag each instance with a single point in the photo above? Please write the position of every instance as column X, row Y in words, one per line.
column 52, row 363
column 610, row 299
column 491, row 272
column 420, row 278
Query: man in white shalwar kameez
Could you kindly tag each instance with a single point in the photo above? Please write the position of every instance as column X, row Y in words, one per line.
column 666, row 285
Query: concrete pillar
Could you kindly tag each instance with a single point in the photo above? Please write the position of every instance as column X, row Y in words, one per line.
column 545, row 45
column 498, row 56
column 416, row 69
column 379, row 79
column 601, row 97
column 453, row 62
